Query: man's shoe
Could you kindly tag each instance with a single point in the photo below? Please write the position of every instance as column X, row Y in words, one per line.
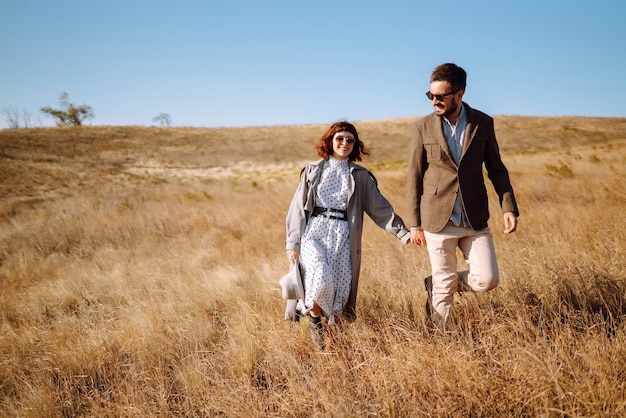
column 316, row 330
column 428, row 285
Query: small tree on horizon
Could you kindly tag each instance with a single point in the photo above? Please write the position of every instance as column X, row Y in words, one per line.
column 163, row 119
column 69, row 114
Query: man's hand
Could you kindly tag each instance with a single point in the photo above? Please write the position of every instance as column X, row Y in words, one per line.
column 417, row 237
column 510, row 222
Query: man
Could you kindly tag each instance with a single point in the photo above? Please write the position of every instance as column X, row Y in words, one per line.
column 447, row 197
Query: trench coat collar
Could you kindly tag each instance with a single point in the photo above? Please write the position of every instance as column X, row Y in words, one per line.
column 319, row 164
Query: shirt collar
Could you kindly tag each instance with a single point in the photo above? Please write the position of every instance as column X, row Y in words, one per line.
column 461, row 117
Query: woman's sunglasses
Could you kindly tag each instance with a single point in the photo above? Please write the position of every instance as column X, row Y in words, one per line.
column 349, row 140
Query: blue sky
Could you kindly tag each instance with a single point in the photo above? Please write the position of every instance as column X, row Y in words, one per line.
column 270, row 62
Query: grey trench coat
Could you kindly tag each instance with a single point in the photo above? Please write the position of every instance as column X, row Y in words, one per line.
column 364, row 198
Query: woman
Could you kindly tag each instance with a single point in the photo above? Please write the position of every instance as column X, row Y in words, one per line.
column 325, row 224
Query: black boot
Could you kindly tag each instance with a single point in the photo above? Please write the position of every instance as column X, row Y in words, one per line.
column 317, row 331
column 428, row 285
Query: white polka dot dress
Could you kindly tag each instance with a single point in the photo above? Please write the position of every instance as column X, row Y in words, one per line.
column 325, row 246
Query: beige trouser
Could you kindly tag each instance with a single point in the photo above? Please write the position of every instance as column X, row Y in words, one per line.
column 479, row 252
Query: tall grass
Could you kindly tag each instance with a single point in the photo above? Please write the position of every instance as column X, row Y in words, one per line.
column 139, row 269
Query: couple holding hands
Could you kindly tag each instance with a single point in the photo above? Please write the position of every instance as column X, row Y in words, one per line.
column 447, row 208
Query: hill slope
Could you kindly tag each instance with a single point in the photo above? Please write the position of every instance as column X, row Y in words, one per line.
column 139, row 270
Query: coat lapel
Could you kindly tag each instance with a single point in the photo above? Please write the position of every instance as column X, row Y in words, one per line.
column 470, row 129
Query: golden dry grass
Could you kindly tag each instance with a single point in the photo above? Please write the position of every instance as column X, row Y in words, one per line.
column 139, row 269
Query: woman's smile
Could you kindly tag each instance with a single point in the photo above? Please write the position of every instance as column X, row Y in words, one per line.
column 343, row 143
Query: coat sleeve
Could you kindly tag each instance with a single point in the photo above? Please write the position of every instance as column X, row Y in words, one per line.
column 498, row 174
column 296, row 216
column 381, row 211
column 415, row 173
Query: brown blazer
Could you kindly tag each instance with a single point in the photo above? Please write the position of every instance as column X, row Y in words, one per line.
column 434, row 178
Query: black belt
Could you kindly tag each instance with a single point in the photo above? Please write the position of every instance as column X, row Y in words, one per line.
column 330, row 213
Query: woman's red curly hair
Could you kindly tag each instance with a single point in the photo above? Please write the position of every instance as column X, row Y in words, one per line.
column 325, row 145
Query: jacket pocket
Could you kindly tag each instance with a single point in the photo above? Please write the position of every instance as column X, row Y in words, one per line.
column 433, row 152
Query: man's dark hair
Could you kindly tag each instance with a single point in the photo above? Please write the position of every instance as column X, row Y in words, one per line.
column 452, row 73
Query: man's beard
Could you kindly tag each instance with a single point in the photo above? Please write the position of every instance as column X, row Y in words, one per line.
column 450, row 109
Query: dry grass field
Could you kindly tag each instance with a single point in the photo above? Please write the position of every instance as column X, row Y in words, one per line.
column 139, row 276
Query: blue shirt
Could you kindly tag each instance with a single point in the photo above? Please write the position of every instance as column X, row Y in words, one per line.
column 455, row 137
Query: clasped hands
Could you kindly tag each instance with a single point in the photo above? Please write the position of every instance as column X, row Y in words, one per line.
column 510, row 225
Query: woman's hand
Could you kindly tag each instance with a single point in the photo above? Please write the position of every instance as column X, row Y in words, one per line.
column 292, row 256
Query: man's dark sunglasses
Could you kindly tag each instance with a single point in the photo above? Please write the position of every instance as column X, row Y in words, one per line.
column 439, row 97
